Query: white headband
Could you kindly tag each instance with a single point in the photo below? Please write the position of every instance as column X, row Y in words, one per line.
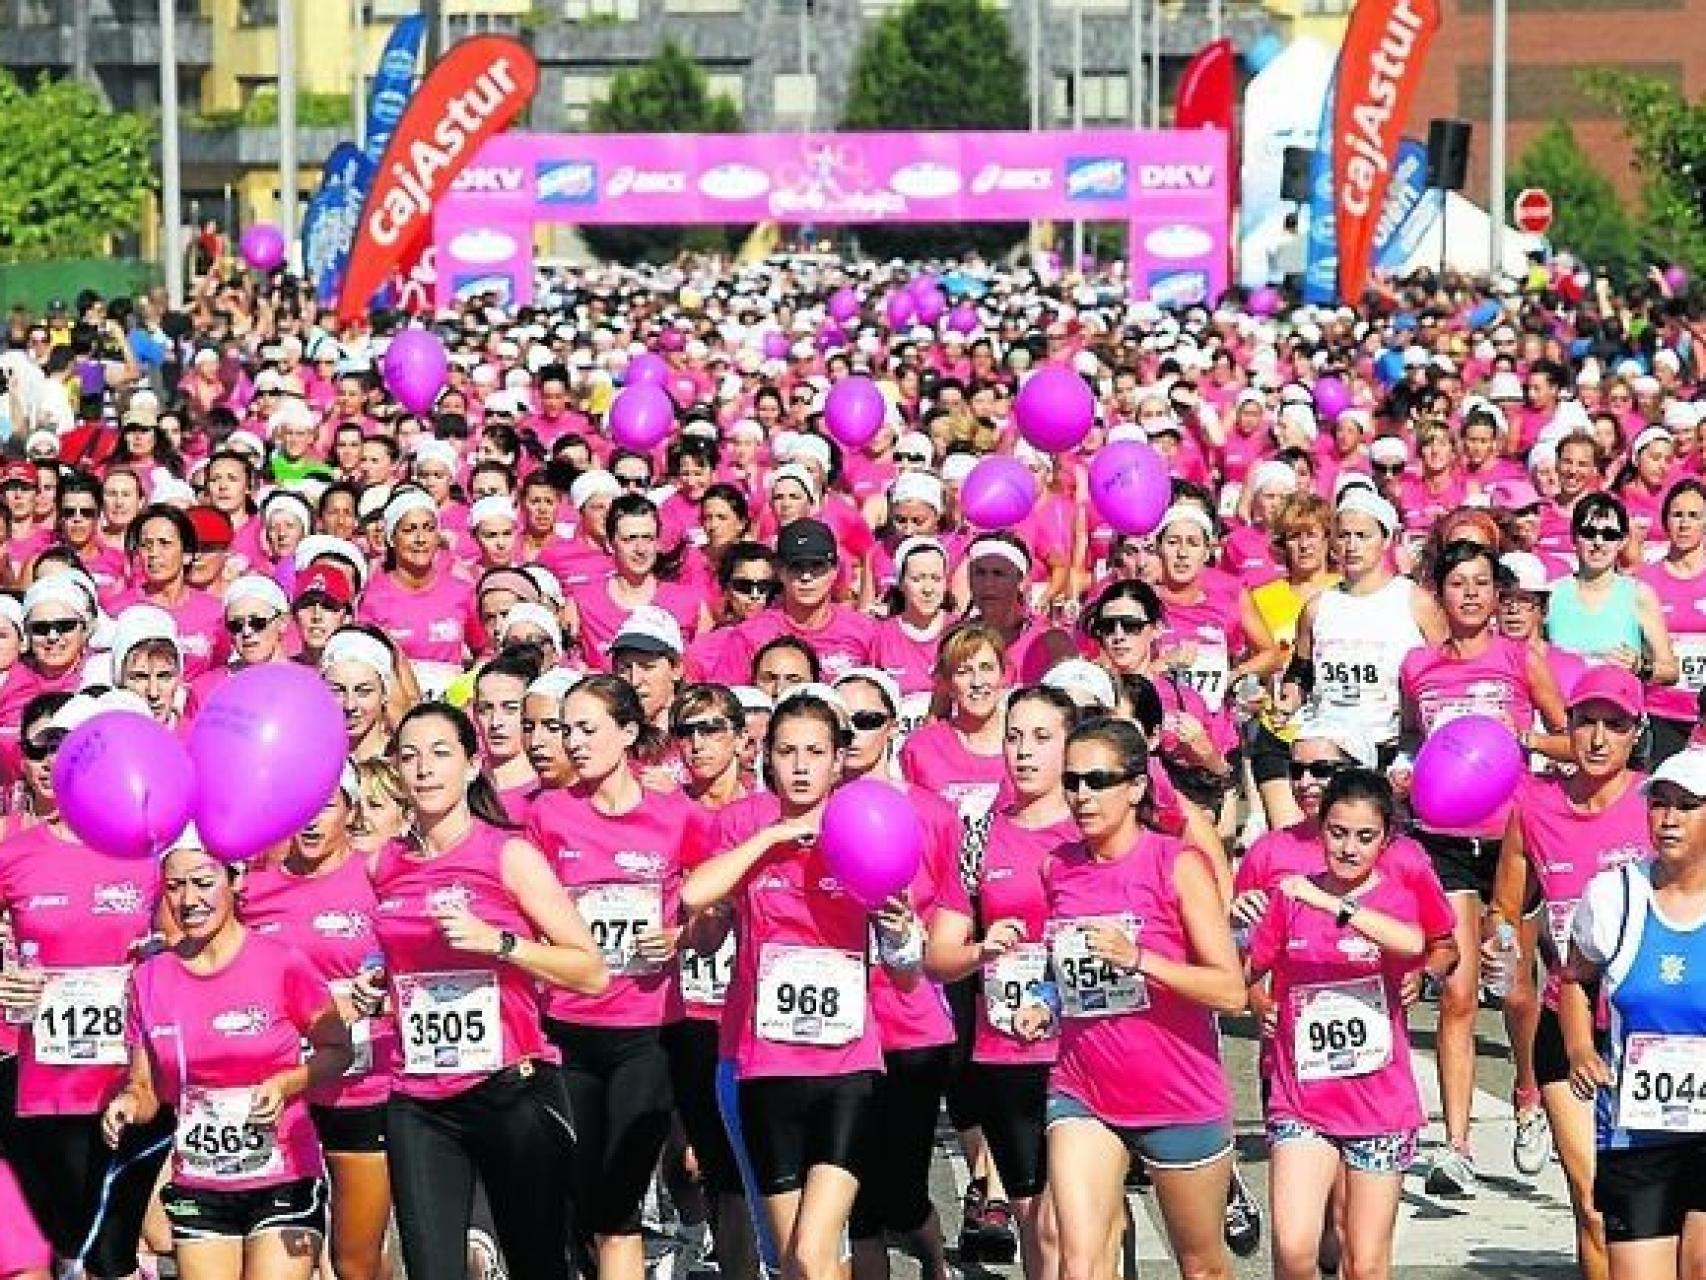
column 492, row 507
column 402, row 504
column 252, row 586
column 61, row 588
column 555, row 684
column 912, row 546
column 357, row 646
column 1013, row 555
column 1188, row 513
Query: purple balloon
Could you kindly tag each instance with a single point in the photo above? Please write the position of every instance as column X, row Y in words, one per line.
column 646, row 370
column 999, row 492
column 416, row 367
column 899, row 309
column 963, row 318
column 1130, row 487
column 125, row 784
column 932, row 305
column 831, row 335
column 672, row 340
column 854, row 411
column 1055, row 409
column 1465, row 770
column 1677, row 279
column 641, row 417
column 1332, row 397
column 1265, row 301
column 268, row 749
column 843, row 304
column 872, row 840
column 923, row 283
column 262, row 247
column 775, row 345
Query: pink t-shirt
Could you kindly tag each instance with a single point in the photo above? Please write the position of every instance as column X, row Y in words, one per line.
column 1248, row 552
column 1296, row 851
column 602, row 616
column 624, row 872
column 937, row 759
column 1176, row 1040
column 22, row 1245
column 842, row 642
column 909, row 659
column 576, row 563
column 428, row 625
column 919, row 1018
column 85, row 914
column 212, row 1038
column 461, row 1017
column 201, row 625
column 1683, row 603
column 797, row 931
column 1340, row 1056
column 329, row 919
column 1211, row 631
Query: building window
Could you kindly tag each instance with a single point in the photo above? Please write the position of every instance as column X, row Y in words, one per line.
column 703, row 6
column 601, row 10
column 579, row 93
column 257, row 13
column 1326, row 6
column 1107, row 99
column 728, row 84
column 795, row 97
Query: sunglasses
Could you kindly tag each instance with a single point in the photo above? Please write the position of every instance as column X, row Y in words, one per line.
column 1121, row 624
column 43, row 745
column 1389, row 468
column 78, row 513
column 690, row 729
column 252, row 625
column 1320, row 770
column 753, row 586
column 1601, row 533
column 810, row 568
column 632, row 482
column 869, row 721
column 1093, row 780
column 915, row 459
column 53, row 628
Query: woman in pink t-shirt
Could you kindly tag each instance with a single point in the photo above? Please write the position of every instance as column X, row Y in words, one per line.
column 363, row 675
column 160, row 542
column 218, row 1024
column 500, row 694
column 906, row 641
column 426, row 610
column 1338, row 945
column 798, row 1022
column 1011, row 1073
column 641, row 576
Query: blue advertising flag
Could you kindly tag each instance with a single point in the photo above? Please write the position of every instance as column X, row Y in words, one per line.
column 1321, row 269
column 333, row 217
column 1406, row 198
column 394, row 84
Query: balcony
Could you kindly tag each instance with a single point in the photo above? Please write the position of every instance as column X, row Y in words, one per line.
column 254, row 147
column 34, row 36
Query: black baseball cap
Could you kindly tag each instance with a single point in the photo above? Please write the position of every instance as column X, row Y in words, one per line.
column 805, row 542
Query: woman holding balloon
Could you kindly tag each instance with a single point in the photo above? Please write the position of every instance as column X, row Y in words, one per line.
column 807, row 1050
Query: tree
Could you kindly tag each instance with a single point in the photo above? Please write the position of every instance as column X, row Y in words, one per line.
column 669, row 94
column 1588, row 219
column 73, row 174
column 1667, row 134
column 939, row 64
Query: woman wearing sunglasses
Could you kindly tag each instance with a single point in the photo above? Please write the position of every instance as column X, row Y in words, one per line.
column 1142, row 959
column 1601, row 612
column 257, row 618
column 1678, row 582
column 1565, row 828
column 58, row 614
column 747, row 583
column 1009, row 1071
column 79, row 528
column 80, row 919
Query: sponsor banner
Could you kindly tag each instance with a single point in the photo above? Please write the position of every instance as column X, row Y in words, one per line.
column 1321, row 235
column 388, row 96
column 1380, row 67
column 1208, row 89
column 334, row 214
column 1406, row 199
column 479, row 86
column 1282, row 108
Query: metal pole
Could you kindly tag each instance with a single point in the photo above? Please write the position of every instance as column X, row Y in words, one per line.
column 1037, row 119
column 358, row 78
column 806, row 85
column 287, row 127
column 1214, row 19
column 1077, row 117
column 1136, row 87
column 1496, row 200
column 1155, row 68
column 432, row 11
column 80, row 71
column 171, row 189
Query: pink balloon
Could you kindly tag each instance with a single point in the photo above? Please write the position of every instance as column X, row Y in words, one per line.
column 1265, row 301
column 844, row 304
column 999, row 492
column 963, row 318
column 646, row 370
column 268, row 749
column 1677, row 279
column 1465, row 770
column 1129, row 486
column 922, row 284
column 1055, row 409
column 125, row 784
column 854, row 411
column 416, row 367
column 872, row 840
column 641, row 417
column 830, row 336
column 899, row 309
column 1332, row 397
column 671, row 340
column 931, row 305
column 262, row 247
column 775, row 345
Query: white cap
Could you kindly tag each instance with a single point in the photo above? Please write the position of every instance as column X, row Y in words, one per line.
column 138, row 625
column 1504, row 386
column 1686, row 769
column 253, row 586
column 592, row 484
column 751, row 697
column 814, row 448
column 650, row 629
column 1528, row 569
column 293, row 504
column 884, row 682
column 1389, row 451
column 555, row 683
column 495, row 506
column 919, row 486
column 1273, row 474
column 1083, row 678
column 798, row 474
column 404, row 503
column 1371, row 504
column 60, row 588
column 358, row 646
column 525, row 612
column 316, row 545
column 1301, row 417
column 1347, row 736
column 246, row 439
column 431, row 449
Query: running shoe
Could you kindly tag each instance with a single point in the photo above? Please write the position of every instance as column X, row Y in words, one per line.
column 1452, row 1175
column 997, row 1242
column 1243, row 1218
column 1532, row 1146
column 485, row 1261
column 971, row 1224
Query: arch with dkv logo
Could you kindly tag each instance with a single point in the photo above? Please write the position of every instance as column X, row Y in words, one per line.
column 1171, row 186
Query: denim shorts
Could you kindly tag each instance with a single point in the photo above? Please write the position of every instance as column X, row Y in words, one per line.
column 1166, row 1146
column 1378, row 1153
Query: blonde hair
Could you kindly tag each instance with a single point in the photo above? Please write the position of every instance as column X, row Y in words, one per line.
column 377, row 780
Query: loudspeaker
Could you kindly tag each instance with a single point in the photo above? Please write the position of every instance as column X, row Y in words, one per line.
column 1448, row 154
column 1296, row 162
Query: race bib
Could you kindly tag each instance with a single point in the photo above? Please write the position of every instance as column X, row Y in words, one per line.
column 450, row 1022
column 1007, row 978
column 80, row 1021
column 914, row 711
column 810, row 995
column 1090, row 987
column 1208, row 672
column 216, row 1141
column 705, row 978
column 1691, row 661
column 1348, row 672
column 360, row 1031
column 1342, row 1030
column 616, row 914
column 1662, row 1084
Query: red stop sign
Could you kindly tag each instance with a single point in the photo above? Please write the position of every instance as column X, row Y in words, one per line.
column 1532, row 211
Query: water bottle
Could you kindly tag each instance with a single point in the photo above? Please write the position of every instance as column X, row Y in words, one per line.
column 1496, row 980
column 22, row 956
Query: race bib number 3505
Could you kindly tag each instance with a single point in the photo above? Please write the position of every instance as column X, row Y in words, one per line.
column 449, row 1022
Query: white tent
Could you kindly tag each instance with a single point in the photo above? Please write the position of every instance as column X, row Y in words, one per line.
column 1467, row 230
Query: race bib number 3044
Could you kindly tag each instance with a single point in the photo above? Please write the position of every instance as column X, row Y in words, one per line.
column 1662, row 1084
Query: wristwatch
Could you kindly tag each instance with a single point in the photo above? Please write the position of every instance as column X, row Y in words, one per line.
column 507, row 943
column 1348, row 907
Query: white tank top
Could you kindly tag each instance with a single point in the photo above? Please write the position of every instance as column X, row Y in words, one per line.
column 1358, row 644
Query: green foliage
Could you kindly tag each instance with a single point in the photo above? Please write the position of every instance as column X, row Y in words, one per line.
column 313, row 111
column 939, row 64
column 75, row 174
column 669, row 94
column 1589, row 219
column 1667, row 134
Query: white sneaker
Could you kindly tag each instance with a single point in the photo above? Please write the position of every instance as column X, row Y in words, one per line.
column 1452, row 1175
column 1532, row 1147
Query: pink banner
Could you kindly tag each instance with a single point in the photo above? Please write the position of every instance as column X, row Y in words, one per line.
column 1170, row 185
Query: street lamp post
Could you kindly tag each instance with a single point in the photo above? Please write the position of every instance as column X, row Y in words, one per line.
column 171, row 188
column 1496, row 145
column 287, row 127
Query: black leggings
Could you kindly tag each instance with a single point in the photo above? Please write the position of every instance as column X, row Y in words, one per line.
column 618, row 1084
column 61, row 1163
column 514, row 1130
column 692, row 1047
column 898, row 1142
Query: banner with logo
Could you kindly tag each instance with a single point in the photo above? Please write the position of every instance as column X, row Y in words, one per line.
column 388, row 96
column 1380, row 67
column 1411, row 208
column 1321, row 234
column 1282, row 108
column 334, row 214
column 1169, row 185
column 1207, row 95
column 479, row 86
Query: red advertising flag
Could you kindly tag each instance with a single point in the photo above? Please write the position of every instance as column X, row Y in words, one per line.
column 476, row 89
column 1208, row 89
column 1380, row 66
